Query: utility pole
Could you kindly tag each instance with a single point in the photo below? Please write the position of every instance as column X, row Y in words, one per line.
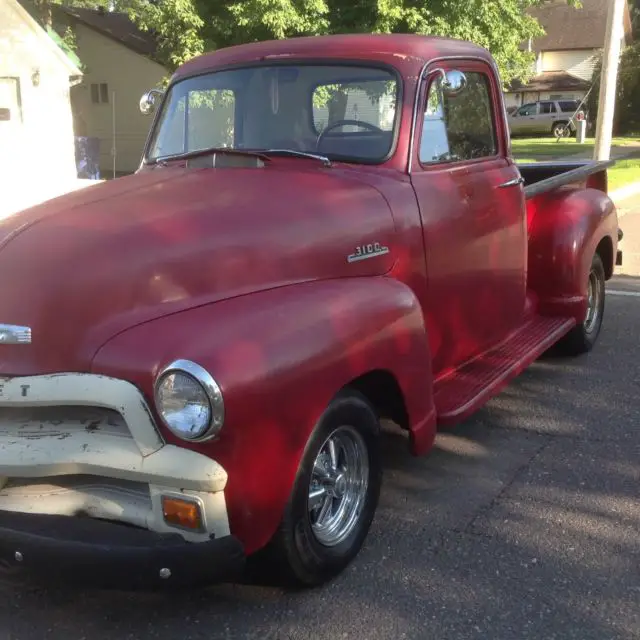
column 608, row 79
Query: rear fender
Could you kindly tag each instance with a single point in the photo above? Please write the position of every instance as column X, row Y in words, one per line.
column 566, row 227
column 280, row 356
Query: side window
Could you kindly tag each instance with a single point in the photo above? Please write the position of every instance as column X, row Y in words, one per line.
column 547, row 107
column 568, row 106
column 460, row 127
column 528, row 110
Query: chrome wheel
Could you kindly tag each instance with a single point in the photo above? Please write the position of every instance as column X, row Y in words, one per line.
column 338, row 486
column 594, row 298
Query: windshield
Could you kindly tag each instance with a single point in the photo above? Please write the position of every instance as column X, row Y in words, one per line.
column 342, row 112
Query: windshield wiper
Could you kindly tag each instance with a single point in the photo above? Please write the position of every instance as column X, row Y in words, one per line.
column 209, row 150
column 299, row 154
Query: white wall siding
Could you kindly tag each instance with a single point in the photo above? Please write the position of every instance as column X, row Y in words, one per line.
column 129, row 75
column 38, row 140
column 578, row 63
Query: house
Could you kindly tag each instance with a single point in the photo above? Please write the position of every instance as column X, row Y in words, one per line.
column 36, row 125
column 567, row 54
column 119, row 64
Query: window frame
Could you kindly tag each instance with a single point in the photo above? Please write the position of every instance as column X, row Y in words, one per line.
column 466, row 65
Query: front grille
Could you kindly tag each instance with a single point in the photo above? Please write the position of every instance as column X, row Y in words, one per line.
column 60, row 422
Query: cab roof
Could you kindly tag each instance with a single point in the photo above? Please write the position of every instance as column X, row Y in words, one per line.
column 412, row 50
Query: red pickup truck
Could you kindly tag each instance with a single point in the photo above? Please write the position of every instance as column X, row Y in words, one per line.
column 324, row 233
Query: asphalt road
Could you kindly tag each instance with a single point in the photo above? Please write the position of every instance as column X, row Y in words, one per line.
column 523, row 523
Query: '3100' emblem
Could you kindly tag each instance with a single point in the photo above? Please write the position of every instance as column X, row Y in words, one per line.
column 365, row 251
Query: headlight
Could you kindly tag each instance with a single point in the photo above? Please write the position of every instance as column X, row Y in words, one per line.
column 189, row 401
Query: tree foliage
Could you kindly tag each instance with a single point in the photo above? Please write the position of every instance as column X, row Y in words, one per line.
column 627, row 112
column 185, row 28
column 499, row 25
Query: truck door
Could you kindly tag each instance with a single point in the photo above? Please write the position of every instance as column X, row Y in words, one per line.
column 473, row 215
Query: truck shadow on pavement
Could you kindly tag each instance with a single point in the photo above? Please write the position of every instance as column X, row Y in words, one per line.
column 522, row 523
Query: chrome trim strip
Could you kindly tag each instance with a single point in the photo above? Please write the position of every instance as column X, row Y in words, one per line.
column 14, row 334
column 416, row 102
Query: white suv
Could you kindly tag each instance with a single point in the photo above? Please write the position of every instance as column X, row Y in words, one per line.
column 553, row 117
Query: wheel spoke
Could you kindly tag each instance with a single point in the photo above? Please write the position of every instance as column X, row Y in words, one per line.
column 333, row 453
column 326, row 510
column 317, row 497
column 320, row 470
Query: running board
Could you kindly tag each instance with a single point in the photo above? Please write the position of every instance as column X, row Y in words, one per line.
column 463, row 391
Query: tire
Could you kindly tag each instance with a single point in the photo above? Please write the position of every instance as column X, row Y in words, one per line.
column 310, row 554
column 582, row 338
column 560, row 130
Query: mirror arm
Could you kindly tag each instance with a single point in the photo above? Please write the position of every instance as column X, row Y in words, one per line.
column 147, row 102
column 443, row 75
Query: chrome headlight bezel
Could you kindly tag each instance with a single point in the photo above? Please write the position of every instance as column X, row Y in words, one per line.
column 211, row 390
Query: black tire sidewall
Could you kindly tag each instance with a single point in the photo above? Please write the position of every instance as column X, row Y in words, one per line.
column 578, row 341
column 312, row 562
column 598, row 267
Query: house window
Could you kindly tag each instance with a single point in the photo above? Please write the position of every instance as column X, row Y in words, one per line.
column 10, row 102
column 459, row 127
column 100, row 93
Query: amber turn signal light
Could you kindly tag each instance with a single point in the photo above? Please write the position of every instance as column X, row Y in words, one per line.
column 181, row 513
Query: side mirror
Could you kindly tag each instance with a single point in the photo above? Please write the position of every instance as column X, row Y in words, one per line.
column 148, row 101
column 453, row 82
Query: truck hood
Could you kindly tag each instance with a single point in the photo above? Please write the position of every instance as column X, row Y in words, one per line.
column 81, row 268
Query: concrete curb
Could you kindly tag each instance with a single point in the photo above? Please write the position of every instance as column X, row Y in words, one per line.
column 628, row 191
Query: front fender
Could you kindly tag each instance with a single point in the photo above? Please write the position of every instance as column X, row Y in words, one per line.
column 566, row 227
column 280, row 356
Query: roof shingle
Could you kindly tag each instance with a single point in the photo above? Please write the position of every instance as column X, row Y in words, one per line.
column 552, row 81
column 570, row 28
column 116, row 25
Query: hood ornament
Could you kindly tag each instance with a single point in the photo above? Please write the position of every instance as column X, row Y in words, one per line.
column 13, row 334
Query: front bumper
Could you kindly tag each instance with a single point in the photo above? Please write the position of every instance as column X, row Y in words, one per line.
column 107, row 555
column 78, row 445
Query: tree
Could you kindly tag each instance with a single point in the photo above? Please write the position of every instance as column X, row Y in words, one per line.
column 627, row 114
column 499, row 25
column 185, row 28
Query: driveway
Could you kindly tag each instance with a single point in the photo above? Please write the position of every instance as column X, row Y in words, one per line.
column 629, row 216
column 523, row 523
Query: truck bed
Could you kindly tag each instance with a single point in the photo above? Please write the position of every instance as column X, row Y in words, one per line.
column 540, row 177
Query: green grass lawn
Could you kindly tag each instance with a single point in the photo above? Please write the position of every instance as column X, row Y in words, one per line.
column 624, row 172
column 545, row 148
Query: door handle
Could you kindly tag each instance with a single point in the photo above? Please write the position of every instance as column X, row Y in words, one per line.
column 511, row 183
